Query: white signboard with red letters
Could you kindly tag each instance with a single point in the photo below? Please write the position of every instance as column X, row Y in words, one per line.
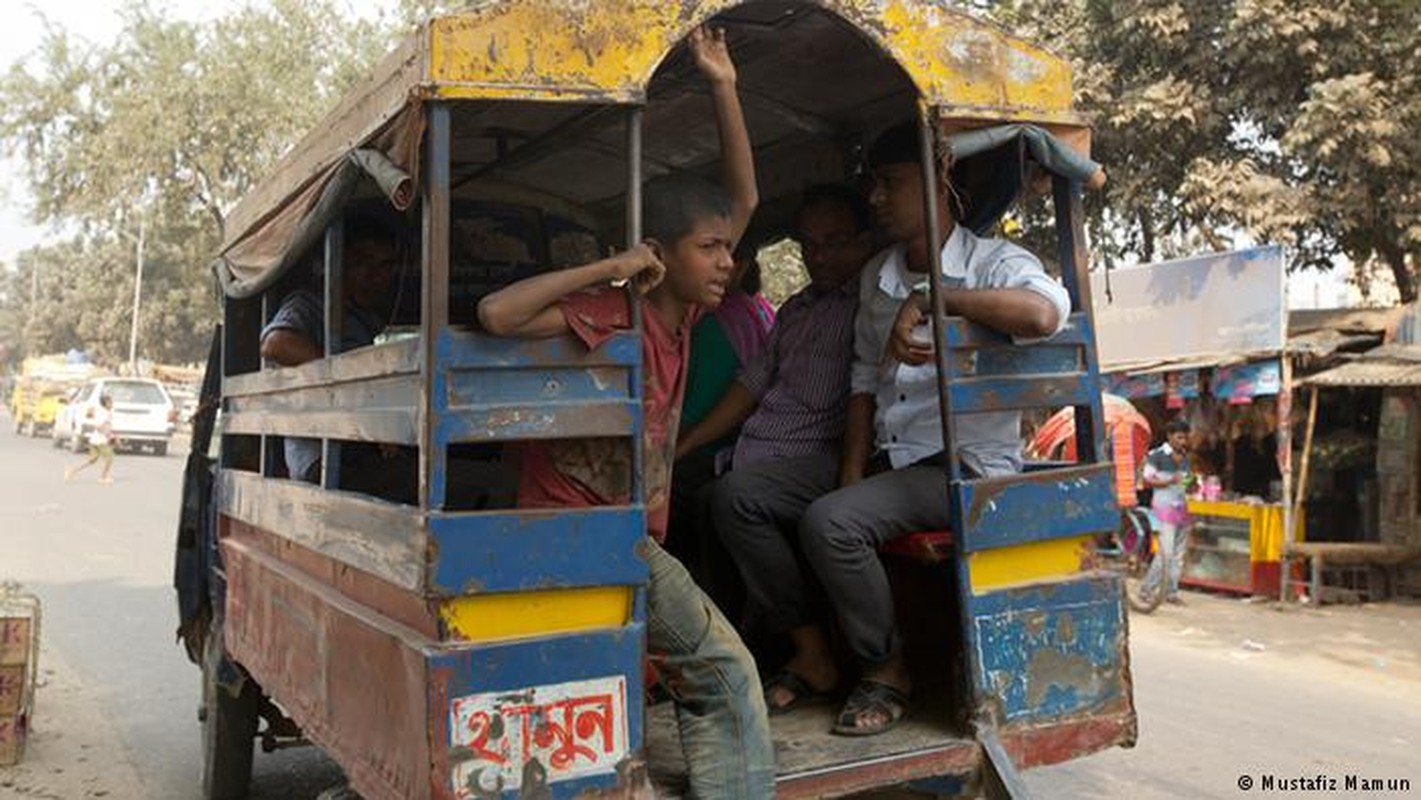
column 548, row 733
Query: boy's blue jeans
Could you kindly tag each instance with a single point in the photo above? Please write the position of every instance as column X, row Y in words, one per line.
column 720, row 708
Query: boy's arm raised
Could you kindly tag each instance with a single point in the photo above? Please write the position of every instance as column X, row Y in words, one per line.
column 529, row 309
column 713, row 58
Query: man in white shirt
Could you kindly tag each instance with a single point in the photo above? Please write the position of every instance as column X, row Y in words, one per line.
column 890, row 474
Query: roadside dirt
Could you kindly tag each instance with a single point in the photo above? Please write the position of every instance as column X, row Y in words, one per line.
column 1375, row 646
column 72, row 752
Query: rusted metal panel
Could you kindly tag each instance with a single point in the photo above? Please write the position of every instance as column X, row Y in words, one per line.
column 383, row 539
column 957, row 758
column 1042, row 745
column 379, row 361
column 406, row 607
column 974, row 395
column 1052, row 652
column 573, row 51
column 373, row 410
column 1009, row 360
column 434, row 307
column 461, row 350
column 537, row 384
column 393, row 426
column 537, row 549
column 1036, row 506
column 354, row 680
column 549, row 420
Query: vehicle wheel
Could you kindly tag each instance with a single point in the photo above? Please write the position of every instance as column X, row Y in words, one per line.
column 160, row 449
column 229, row 728
column 1140, row 558
column 77, row 443
column 55, row 439
column 32, row 429
column 19, row 426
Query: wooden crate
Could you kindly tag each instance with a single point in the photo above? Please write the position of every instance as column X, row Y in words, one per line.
column 19, row 656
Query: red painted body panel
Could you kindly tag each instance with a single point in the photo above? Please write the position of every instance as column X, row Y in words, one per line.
column 1052, row 744
column 355, row 681
column 961, row 757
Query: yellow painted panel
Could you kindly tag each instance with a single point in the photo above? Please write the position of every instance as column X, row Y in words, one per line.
column 1265, row 524
column 1007, row 566
column 608, row 49
column 514, row 615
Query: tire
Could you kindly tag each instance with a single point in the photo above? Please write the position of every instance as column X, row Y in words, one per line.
column 19, row 426
column 55, row 440
column 32, row 428
column 1138, row 561
column 160, row 449
column 77, row 443
column 229, row 728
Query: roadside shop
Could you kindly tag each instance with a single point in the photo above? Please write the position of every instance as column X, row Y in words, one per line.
column 1204, row 339
column 1376, row 552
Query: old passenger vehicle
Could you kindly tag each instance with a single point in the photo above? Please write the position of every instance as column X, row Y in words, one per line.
column 455, row 646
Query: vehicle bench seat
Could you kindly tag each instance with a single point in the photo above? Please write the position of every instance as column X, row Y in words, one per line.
column 924, row 547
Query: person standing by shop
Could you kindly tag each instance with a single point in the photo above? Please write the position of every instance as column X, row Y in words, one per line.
column 100, row 443
column 1168, row 472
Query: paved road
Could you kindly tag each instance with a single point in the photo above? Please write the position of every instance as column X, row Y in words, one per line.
column 101, row 558
column 1223, row 688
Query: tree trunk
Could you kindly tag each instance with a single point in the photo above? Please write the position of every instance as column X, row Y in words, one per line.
column 1395, row 258
column 1147, row 236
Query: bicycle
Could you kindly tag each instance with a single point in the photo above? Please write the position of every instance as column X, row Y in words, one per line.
column 1130, row 550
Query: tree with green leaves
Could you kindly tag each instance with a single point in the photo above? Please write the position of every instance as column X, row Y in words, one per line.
column 164, row 129
column 1290, row 121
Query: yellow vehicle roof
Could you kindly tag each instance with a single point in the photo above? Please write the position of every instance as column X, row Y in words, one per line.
column 569, row 53
column 608, row 49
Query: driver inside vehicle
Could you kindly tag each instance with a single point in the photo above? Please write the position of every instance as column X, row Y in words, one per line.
column 296, row 335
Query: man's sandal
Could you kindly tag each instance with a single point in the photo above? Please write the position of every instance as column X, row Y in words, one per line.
column 868, row 697
column 802, row 694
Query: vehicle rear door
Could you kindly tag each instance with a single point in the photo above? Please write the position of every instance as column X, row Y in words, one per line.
column 140, row 407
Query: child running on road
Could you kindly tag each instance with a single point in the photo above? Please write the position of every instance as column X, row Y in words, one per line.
column 100, row 443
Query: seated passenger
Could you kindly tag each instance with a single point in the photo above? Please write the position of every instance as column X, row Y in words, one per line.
column 789, row 402
column 296, row 335
column 889, row 481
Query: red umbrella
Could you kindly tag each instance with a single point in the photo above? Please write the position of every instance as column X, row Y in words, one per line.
column 1129, row 434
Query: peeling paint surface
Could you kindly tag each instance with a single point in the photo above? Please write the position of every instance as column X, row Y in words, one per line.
column 501, row 741
column 608, row 49
column 1052, row 652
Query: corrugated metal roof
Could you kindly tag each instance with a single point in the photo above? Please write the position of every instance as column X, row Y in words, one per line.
column 1388, row 365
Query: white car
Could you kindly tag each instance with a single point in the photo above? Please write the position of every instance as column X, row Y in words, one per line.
column 144, row 416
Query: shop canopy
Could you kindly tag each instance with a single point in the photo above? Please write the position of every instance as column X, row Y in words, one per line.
column 1391, row 365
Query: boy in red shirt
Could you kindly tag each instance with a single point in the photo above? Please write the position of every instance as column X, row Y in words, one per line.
column 682, row 267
